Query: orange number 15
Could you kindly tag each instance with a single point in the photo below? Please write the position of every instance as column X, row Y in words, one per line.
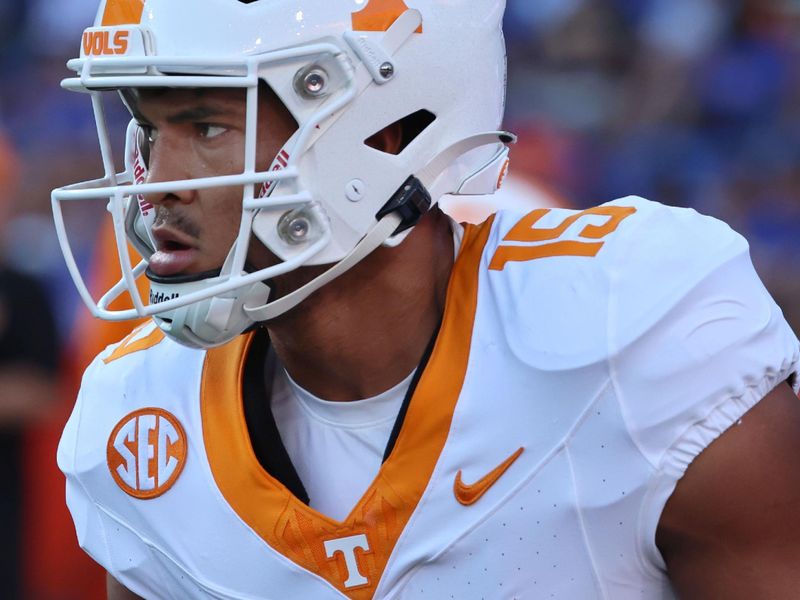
column 526, row 232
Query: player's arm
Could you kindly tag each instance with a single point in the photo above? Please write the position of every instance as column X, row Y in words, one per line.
column 731, row 529
column 116, row 591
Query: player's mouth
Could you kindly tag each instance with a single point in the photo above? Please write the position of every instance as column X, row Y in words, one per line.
column 175, row 253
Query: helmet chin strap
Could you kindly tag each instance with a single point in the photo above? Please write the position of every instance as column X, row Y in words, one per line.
column 374, row 239
column 385, row 228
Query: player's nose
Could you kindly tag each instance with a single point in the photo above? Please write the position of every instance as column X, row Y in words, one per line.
column 168, row 165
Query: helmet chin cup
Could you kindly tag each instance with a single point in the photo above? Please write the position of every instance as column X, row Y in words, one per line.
column 208, row 323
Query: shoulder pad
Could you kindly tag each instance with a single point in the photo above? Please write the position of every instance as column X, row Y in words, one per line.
column 558, row 276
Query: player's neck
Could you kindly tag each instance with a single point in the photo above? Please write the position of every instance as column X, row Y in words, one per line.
column 366, row 331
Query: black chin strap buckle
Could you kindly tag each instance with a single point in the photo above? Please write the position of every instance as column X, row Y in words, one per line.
column 410, row 201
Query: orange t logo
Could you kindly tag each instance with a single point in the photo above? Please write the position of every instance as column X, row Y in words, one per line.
column 347, row 548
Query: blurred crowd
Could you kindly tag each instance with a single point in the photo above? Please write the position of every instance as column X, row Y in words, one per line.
column 689, row 102
column 693, row 103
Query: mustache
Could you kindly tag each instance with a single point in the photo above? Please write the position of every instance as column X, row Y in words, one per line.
column 176, row 221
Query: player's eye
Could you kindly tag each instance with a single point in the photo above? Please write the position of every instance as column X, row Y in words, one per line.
column 150, row 134
column 209, row 131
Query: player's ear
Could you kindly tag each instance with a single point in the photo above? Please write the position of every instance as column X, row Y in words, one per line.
column 395, row 138
column 274, row 111
column 389, row 139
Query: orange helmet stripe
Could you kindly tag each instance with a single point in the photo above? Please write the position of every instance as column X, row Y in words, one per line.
column 379, row 15
column 122, row 12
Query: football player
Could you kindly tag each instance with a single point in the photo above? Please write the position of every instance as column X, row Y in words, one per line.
column 343, row 394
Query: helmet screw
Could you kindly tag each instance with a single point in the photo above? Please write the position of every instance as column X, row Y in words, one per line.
column 387, row 70
column 294, row 227
column 298, row 229
column 315, row 82
column 312, row 82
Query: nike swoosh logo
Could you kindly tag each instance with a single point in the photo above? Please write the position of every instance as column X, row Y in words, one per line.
column 470, row 494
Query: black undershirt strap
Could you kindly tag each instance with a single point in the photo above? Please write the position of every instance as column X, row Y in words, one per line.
column 401, row 416
column 264, row 435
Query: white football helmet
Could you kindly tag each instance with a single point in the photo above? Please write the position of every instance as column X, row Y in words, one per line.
column 345, row 70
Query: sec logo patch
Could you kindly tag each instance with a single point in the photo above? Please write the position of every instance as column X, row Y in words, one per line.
column 147, row 452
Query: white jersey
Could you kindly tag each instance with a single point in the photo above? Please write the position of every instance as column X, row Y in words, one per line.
column 584, row 360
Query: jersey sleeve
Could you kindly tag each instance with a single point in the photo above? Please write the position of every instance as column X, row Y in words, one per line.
column 695, row 342
column 85, row 516
column 82, row 458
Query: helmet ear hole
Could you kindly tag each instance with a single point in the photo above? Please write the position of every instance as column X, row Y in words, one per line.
column 395, row 138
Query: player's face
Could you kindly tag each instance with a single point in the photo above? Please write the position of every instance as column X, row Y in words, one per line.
column 201, row 133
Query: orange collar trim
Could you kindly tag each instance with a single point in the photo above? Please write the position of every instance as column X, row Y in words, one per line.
column 353, row 554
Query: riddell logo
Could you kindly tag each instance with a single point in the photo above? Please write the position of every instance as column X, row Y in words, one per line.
column 159, row 297
column 146, row 453
column 100, row 43
column 279, row 164
column 139, row 176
